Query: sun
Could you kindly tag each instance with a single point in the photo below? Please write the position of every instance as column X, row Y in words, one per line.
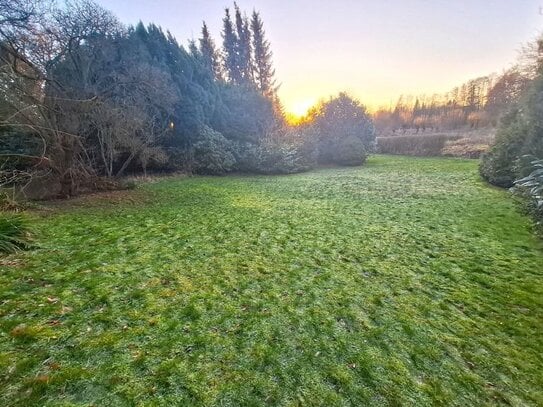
column 298, row 108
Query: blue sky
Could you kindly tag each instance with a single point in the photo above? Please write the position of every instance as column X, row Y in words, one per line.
column 376, row 50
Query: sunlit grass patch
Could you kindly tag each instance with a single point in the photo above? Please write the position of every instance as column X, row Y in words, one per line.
column 404, row 282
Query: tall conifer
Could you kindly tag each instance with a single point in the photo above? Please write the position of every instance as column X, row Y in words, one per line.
column 230, row 50
column 243, row 49
column 209, row 53
column 263, row 67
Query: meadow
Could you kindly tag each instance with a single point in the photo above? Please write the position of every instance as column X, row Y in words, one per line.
column 461, row 143
column 408, row 281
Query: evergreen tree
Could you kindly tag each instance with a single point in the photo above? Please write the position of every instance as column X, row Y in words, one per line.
column 209, row 53
column 230, row 50
column 343, row 130
column 263, row 68
column 243, row 47
column 194, row 51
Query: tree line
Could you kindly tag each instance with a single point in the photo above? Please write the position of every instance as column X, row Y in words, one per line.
column 519, row 136
column 479, row 102
column 516, row 157
column 83, row 97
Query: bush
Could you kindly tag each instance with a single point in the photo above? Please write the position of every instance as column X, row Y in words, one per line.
column 14, row 234
column 349, row 151
column 416, row 145
column 212, row 153
column 342, row 130
column 282, row 158
column 531, row 188
column 247, row 157
column 520, row 134
column 499, row 165
column 273, row 158
column 179, row 160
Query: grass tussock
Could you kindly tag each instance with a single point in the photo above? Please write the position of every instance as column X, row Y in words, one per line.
column 464, row 147
column 14, row 233
column 404, row 282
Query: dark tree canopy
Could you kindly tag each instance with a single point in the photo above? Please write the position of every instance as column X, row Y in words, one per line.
column 83, row 96
column 230, row 50
column 210, row 55
column 243, row 47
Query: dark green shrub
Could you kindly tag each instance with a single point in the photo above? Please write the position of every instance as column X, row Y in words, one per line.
column 349, row 151
column 244, row 114
column 179, row 160
column 247, row 156
column 212, row 153
column 499, row 165
column 282, row 158
column 531, row 188
column 14, row 234
column 520, row 134
column 273, row 158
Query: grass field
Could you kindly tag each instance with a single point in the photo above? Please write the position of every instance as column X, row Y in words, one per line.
column 403, row 282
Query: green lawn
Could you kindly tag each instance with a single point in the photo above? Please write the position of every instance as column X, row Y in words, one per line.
column 403, row 282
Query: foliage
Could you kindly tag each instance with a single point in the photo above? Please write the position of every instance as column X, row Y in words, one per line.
column 404, row 282
column 14, row 233
column 269, row 157
column 211, row 153
column 498, row 165
column 349, row 151
column 532, row 187
column 273, row 157
column 245, row 116
column 230, row 50
column 247, row 156
column 343, row 132
column 103, row 99
column 520, row 134
column 243, row 48
column 209, row 53
column 263, row 67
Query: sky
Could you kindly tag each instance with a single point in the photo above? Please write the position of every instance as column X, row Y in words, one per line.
column 375, row 50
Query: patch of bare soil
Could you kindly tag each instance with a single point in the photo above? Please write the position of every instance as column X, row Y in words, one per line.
column 10, row 262
column 109, row 196
column 101, row 199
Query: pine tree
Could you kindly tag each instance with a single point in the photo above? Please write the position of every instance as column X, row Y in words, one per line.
column 244, row 52
column 263, row 68
column 230, row 50
column 194, row 51
column 209, row 53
